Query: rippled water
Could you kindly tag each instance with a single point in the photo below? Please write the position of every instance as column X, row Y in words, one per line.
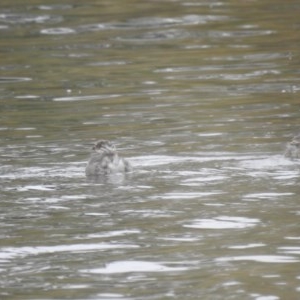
column 201, row 97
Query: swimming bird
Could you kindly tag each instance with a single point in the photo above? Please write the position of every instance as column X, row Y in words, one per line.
column 105, row 160
column 293, row 148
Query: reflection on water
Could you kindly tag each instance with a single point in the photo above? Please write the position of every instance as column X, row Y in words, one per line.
column 201, row 97
column 223, row 222
column 134, row 266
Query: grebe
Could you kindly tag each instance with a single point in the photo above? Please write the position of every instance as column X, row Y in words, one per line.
column 105, row 160
column 293, row 148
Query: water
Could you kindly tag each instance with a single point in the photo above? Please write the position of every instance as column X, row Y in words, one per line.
column 201, row 97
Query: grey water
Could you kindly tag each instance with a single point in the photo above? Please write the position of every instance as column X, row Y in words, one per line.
column 201, row 97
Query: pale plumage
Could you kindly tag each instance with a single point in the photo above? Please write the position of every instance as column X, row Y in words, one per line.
column 105, row 160
column 293, row 148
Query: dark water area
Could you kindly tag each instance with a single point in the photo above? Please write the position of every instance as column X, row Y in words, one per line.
column 201, row 97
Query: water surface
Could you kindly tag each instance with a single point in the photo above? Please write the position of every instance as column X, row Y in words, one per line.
column 201, row 97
